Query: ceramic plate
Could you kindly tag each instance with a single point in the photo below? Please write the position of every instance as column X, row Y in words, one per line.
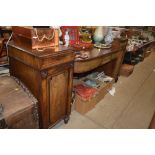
column 103, row 46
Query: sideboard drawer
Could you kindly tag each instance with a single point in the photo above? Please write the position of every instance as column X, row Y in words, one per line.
column 106, row 60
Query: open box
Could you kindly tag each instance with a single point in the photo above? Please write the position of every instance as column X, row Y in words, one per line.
column 84, row 105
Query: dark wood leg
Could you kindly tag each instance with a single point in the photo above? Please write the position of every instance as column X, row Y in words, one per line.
column 116, row 79
column 66, row 119
column 3, row 124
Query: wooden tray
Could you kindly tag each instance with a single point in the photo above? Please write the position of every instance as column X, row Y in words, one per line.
column 35, row 37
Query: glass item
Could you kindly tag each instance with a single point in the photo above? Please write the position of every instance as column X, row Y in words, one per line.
column 109, row 37
column 99, row 34
column 85, row 37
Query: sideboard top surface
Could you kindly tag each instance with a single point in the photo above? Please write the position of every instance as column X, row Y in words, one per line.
column 42, row 53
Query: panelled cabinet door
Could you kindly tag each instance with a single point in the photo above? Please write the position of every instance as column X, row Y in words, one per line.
column 59, row 96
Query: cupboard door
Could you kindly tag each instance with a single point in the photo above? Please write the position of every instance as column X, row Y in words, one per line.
column 58, row 96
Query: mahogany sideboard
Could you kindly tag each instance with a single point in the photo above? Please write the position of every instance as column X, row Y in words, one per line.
column 48, row 75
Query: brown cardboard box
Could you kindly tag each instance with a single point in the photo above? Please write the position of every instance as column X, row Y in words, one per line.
column 83, row 106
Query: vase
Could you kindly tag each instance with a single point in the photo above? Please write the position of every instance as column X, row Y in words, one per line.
column 109, row 37
column 99, row 34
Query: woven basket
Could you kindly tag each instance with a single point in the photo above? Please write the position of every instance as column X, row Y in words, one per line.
column 126, row 70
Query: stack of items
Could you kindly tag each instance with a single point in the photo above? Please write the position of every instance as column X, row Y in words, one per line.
column 77, row 39
column 91, row 90
column 86, row 92
column 126, row 70
column 134, row 47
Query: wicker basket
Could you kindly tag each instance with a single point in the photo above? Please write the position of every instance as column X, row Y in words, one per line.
column 126, row 70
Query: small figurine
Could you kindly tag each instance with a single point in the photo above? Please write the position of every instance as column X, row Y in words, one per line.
column 66, row 39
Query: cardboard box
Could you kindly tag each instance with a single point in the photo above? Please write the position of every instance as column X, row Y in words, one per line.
column 83, row 106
